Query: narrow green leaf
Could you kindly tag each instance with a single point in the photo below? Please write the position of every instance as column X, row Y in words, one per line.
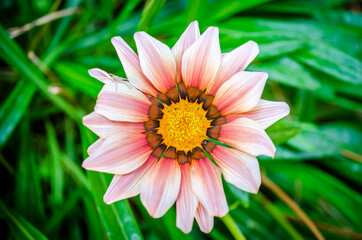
column 150, row 11
column 278, row 216
column 57, row 176
column 325, row 58
column 221, row 10
column 283, row 131
column 14, row 108
column 279, row 48
column 28, row 181
column 76, row 173
column 295, row 75
column 19, row 226
column 15, row 57
column 240, row 195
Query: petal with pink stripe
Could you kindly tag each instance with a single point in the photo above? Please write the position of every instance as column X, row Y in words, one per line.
column 132, row 67
column 119, row 154
column 186, row 203
column 238, row 168
column 204, row 219
column 265, row 113
column 207, row 186
column 122, row 102
column 233, row 62
column 104, row 127
column 157, row 61
column 160, row 187
column 128, row 185
column 101, row 75
column 247, row 136
column 187, row 38
column 92, row 148
column 240, row 93
column 202, row 59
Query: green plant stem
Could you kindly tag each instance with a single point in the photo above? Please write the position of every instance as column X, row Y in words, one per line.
column 233, row 227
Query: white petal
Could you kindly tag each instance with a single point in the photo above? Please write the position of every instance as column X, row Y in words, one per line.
column 238, row 168
column 157, row 61
column 240, row 93
column 207, row 186
column 119, row 154
column 128, row 185
column 204, row 219
column 233, row 62
column 122, row 102
column 247, row 136
column 202, row 59
column 132, row 67
column 265, row 113
column 104, row 127
column 160, row 187
column 186, row 203
column 187, row 38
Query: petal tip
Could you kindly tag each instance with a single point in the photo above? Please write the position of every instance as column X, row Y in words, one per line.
column 254, row 46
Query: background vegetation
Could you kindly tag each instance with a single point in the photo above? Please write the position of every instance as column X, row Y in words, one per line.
column 312, row 51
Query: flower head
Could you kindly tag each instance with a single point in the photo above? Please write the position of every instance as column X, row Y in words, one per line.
column 158, row 128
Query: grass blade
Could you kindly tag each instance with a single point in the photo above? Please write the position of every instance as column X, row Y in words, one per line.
column 14, row 108
column 15, row 57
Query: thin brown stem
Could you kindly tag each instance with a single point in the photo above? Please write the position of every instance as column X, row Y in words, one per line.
column 293, row 205
column 331, row 228
column 351, row 155
column 17, row 31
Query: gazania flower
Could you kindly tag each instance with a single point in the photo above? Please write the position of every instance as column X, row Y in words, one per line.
column 158, row 130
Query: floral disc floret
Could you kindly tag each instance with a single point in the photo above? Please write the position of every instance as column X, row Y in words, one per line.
column 184, row 125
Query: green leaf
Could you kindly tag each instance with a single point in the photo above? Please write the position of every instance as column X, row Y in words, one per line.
column 288, row 72
column 28, row 181
column 279, row 48
column 325, row 59
column 240, row 195
column 221, row 10
column 150, row 11
column 15, row 57
column 57, row 174
column 14, row 108
column 283, row 131
column 19, row 226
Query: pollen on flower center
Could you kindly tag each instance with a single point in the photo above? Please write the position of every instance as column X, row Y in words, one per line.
column 184, row 125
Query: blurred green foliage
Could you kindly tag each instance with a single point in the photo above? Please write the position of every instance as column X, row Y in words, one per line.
column 311, row 49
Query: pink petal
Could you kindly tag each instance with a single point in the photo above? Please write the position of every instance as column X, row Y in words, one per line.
column 202, row 59
column 122, row 102
column 132, row 67
column 241, row 93
column 265, row 113
column 187, row 38
column 157, row 61
column 204, row 219
column 247, row 136
column 104, row 127
column 128, row 185
column 233, row 62
column 207, row 186
column 99, row 74
column 119, row 154
column 92, row 148
column 160, row 187
column 186, row 203
column 238, row 168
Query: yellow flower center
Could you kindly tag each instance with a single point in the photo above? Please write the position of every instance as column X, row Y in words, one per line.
column 183, row 125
